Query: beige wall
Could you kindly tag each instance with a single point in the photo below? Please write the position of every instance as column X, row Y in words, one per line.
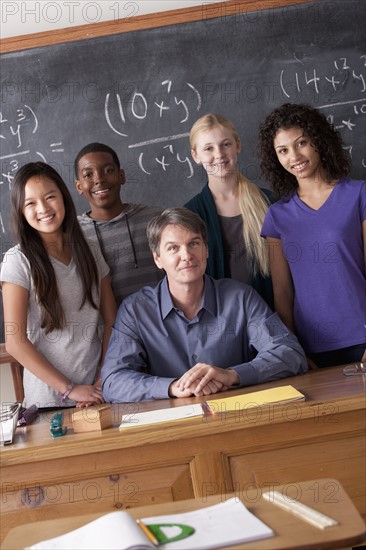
column 19, row 17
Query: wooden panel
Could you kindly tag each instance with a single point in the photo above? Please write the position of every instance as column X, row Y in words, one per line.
column 341, row 459
column 211, row 471
column 117, row 491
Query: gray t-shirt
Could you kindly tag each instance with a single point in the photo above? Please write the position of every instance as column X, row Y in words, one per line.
column 75, row 350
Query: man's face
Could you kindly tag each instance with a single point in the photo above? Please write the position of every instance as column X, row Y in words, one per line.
column 183, row 255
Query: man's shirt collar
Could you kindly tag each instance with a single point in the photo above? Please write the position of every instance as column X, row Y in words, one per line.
column 208, row 302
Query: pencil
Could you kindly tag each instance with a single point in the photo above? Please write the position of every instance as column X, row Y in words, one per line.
column 147, row 532
column 206, row 407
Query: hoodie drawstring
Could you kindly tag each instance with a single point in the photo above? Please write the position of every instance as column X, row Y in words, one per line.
column 97, row 232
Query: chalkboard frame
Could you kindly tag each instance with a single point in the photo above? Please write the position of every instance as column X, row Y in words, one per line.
column 136, row 23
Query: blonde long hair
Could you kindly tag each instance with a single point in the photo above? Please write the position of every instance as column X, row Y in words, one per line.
column 252, row 203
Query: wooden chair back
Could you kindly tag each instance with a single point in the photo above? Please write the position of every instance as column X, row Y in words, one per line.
column 16, row 372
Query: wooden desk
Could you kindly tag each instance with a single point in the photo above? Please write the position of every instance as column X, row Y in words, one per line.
column 290, row 532
column 44, row 478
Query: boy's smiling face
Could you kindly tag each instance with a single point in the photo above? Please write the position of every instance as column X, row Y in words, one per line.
column 100, row 182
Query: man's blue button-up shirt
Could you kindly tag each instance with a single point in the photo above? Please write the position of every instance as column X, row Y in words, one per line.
column 153, row 343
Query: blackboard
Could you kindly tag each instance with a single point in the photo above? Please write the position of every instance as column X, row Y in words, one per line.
column 141, row 91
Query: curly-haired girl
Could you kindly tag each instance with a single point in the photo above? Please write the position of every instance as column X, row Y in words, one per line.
column 316, row 234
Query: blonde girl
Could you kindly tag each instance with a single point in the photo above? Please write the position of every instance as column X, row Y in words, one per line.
column 232, row 207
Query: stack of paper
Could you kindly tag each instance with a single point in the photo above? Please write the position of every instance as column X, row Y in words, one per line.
column 282, row 394
column 161, row 415
column 8, row 421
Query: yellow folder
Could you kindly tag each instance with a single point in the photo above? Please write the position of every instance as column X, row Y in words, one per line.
column 255, row 399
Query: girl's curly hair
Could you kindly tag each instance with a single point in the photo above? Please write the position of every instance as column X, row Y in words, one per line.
column 325, row 138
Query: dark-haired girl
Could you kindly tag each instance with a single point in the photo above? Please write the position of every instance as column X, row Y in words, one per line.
column 54, row 288
column 316, row 234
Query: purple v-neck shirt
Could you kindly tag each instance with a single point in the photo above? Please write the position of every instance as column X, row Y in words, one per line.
column 325, row 252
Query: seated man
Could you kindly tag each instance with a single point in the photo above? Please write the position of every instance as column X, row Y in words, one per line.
column 192, row 334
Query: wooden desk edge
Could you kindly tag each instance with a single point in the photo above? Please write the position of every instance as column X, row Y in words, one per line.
column 52, row 528
column 27, row 451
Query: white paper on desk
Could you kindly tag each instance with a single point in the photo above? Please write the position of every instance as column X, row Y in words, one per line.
column 8, row 421
column 114, row 531
column 223, row 524
column 161, row 415
column 7, row 431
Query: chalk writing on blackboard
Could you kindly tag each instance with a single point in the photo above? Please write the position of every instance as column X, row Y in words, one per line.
column 310, row 77
column 340, row 74
column 169, row 104
column 16, row 132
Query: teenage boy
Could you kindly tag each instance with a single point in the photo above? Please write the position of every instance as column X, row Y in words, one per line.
column 118, row 227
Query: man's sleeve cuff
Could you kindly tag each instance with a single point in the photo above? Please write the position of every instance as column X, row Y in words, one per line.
column 248, row 375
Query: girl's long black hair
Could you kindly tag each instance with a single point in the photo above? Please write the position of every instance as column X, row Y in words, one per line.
column 42, row 272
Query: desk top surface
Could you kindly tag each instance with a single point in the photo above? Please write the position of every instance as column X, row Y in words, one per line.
column 324, row 495
column 327, row 392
